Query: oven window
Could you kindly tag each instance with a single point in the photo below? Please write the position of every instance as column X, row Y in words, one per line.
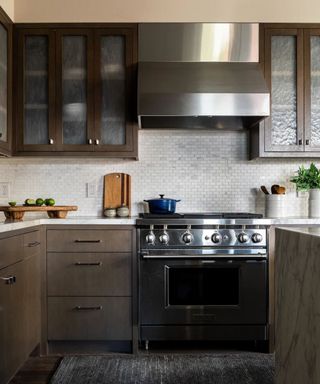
column 203, row 286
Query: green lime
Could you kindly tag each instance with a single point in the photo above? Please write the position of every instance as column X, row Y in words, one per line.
column 39, row 202
column 30, row 202
column 50, row 202
column 12, row 203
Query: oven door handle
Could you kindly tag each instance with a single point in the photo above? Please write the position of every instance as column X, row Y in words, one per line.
column 259, row 255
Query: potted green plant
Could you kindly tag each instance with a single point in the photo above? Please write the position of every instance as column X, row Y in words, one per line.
column 308, row 179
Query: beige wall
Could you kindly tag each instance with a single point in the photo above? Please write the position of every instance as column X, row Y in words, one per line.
column 166, row 10
column 8, row 6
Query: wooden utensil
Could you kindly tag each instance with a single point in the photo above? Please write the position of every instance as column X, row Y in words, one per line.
column 117, row 190
column 278, row 190
column 264, row 190
column 281, row 190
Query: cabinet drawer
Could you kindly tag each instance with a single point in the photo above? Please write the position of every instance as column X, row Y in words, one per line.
column 84, row 240
column 10, row 251
column 89, row 274
column 31, row 243
column 89, row 318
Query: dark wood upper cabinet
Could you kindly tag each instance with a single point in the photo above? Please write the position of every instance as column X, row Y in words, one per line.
column 5, row 83
column 290, row 55
column 76, row 90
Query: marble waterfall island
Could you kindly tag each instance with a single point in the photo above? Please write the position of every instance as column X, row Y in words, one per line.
column 297, row 280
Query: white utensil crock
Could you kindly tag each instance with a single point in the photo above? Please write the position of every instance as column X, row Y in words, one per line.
column 276, row 206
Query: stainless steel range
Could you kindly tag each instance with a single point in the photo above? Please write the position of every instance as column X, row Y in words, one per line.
column 202, row 277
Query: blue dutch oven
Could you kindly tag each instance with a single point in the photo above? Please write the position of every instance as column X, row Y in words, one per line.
column 162, row 205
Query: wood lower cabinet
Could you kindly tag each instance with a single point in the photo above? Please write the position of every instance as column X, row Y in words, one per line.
column 89, row 318
column 12, row 319
column 90, row 287
column 89, row 274
column 19, row 302
column 86, row 240
column 32, row 302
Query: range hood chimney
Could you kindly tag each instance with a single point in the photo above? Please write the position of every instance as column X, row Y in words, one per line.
column 200, row 75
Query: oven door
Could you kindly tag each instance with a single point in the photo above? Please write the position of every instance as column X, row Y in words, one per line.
column 219, row 291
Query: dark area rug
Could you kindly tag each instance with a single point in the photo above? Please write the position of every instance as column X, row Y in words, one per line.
column 235, row 368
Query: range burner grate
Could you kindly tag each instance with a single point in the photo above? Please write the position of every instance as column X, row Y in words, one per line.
column 205, row 215
column 161, row 216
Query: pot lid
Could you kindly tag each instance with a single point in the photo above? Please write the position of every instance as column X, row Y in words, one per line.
column 161, row 198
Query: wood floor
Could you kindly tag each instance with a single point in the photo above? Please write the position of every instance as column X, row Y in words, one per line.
column 37, row 370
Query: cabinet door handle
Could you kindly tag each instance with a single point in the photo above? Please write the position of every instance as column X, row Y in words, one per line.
column 51, row 141
column 97, row 142
column 34, row 244
column 300, row 141
column 95, row 264
column 307, row 142
column 81, row 308
column 90, row 141
column 8, row 280
column 87, row 241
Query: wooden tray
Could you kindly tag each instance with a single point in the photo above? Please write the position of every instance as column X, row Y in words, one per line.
column 117, row 190
column 55, row 212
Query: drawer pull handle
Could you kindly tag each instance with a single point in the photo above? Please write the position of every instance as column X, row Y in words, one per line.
column 8, row 280
column 34, row 244
column 87, row 241
column 97, row 264
column 80, row 308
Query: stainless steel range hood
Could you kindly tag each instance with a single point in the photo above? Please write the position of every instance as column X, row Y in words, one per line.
column 199, row 75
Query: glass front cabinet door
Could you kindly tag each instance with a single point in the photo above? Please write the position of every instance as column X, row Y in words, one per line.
column 75, row 90
column 284, row 129
column 36, row 91
column 312, row 89
column 115, row 129
column 5, row 83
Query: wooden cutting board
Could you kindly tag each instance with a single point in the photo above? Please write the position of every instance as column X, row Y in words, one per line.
column 117, row 190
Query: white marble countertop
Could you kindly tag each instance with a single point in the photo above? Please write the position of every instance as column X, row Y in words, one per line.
column 313, row 231
column 6, row 226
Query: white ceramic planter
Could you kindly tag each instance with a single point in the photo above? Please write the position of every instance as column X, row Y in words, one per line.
column 314, row 203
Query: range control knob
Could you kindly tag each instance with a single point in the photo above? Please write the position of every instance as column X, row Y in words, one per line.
column 164, row 238
column 187, row 237
column 243, row 237
column 257, row 237
column 150, row 238
column 216, row 238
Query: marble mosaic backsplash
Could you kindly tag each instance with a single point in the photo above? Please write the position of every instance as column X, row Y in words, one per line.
column 207, row 170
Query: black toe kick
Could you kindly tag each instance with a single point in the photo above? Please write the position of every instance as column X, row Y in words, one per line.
column 204, row 332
